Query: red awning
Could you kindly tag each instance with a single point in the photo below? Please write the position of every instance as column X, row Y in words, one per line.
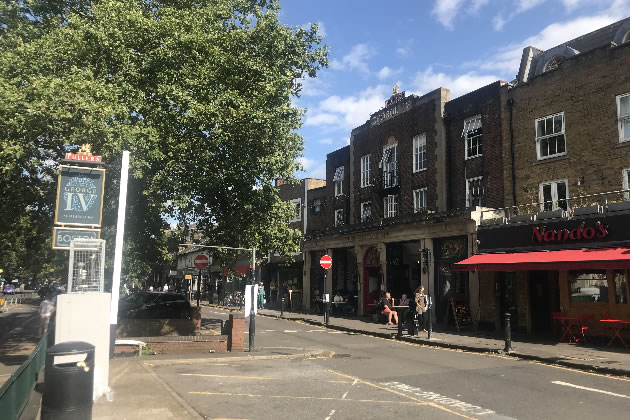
column 566, row 259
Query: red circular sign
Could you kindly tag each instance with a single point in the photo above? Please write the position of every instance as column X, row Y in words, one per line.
column 201, row 261
column 326, row 262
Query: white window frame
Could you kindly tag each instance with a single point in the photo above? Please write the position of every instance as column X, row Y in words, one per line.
column 473, row 123
column 622, row 119
column 339, row 221
column 547, row 136
column 625, row 173
column 469, row 198
column 364, row 216
column 390, row 206
column 339, row 182
column 554, row 194
column 297, row 204
column 420, row 200
column 390, row 169
column 366, row 171
column 420, row 157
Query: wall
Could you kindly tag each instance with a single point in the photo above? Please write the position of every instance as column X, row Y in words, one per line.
column 154, row 327
column 340, row 157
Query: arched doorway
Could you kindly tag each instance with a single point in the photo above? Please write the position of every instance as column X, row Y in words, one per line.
column 371, row 278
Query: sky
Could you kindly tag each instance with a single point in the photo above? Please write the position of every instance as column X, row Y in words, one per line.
column 421, row 45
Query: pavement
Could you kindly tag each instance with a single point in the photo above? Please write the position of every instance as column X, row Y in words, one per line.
column 19, row 335
column 614, row 360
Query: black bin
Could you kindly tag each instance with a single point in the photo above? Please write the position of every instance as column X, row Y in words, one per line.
column 68, row 387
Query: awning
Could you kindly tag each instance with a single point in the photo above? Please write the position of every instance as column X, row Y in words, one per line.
column 566, row 259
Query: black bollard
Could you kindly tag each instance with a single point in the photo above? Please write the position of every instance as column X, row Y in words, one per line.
column 282, row 306
column 508, row 334
column 327, row 312
column 430, row 320
column 401, row 316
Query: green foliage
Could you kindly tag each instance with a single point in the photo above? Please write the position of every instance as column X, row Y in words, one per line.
column 198, row 91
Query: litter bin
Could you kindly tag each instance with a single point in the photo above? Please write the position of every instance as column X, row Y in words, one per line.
column 68, row 386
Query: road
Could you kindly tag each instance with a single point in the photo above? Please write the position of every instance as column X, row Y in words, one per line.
column 371, row 377
column 19, row 330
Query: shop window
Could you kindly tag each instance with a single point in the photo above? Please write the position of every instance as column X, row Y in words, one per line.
column 550, row 140
column 621, row 286
column 588, row 286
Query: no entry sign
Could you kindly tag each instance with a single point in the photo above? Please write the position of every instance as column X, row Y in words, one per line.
column 326, row 262
column 201, row 261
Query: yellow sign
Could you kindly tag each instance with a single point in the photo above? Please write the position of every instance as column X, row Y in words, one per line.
column 188, row 276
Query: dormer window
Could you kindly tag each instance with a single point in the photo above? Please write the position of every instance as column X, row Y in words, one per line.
column 553, row 63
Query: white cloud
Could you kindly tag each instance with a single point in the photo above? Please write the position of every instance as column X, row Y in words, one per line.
column 321, row 30
column 356, row 59
column 347, row 112
column 445, row 11
column 477, row 4
column 521, row 6
column 312, row 86
column 428, row 80
column 387, row 72
column 402, row 51
column 313, row 168
column 318, row 172
column 327, row 140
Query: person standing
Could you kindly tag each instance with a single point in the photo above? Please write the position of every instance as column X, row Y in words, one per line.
column 261, row 295
column 422, row 305
column 46, row 309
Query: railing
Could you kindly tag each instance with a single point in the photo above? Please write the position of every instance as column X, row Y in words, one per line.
column 569, row 207
column 7, row 301
column 16, row 392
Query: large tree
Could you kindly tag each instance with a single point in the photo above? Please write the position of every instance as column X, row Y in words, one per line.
column 199, row 92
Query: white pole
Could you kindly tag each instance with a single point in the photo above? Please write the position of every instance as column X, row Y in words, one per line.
column 120, row 232
column 254, row 265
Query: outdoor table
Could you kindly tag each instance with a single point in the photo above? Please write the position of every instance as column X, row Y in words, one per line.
column 617, row 325
column 567, row 322
column 402, row 315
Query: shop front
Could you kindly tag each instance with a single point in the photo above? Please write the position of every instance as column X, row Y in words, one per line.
column 578, row 267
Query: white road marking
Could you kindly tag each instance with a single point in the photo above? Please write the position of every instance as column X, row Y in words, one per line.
column 344, row 395
column 355, row 382
column 336, row 332
column 290, row 331
column 315, row 330
column 270, row 330
column 590, row 389
column 330, row 414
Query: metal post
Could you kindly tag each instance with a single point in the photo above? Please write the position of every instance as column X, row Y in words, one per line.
column 508, row 334
column 400, row 323
column 429, row 310
column 327, row 311
column 252, row 322
column 282, row 304
column 199, row 289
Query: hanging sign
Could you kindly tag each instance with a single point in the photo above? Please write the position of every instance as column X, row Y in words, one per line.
column 79, row 196
column 63, row 236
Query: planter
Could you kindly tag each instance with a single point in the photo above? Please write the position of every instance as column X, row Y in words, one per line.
column 522, row 218
column 587, row 211
column 553, row 214
column 622, row 206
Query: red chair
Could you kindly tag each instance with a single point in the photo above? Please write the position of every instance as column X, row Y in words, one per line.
column 584, row 319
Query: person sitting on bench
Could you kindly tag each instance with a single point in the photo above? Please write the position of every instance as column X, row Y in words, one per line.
column 386, row 303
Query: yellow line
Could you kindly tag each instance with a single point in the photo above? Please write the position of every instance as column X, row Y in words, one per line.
column 420, row 402
column 601, row 375
column 232, row 376
column 293, row 397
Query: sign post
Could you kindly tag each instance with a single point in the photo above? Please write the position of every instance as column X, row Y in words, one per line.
column 201, row 262
column 326, row 263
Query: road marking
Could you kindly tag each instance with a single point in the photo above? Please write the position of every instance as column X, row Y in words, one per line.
column 601, row 375
column 355, row 382
column 590, row 389
column 336, row 332
column 315, row 330
column 293, row 397
column 330, row 414
column 290, row 331
column 344, row 395
column 262, row 378
column 270, row 330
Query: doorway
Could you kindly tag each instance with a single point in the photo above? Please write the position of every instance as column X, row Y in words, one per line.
column 371, row 287
column 544, row 297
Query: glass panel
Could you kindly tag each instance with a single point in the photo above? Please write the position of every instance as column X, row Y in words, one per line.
column 557, row 124
column 626, row 129
column 540, row 128
column 548, row 126
column 546, row 189
column 560, row 144
column 624, row 105
column 544, row 147
column 562, row 195
column 621, row 287
column 588, row 286
column 552, row 146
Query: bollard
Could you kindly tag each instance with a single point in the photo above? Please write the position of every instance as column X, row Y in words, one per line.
column 508, row 334
column 252, row 322
column 400, row 323
column 327, row 313
column 282, row 307
column 430, row 323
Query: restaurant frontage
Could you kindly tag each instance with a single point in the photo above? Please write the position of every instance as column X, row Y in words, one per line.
column 540, row 270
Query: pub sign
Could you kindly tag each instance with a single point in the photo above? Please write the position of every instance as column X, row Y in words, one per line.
column 79, row 196
column 63, row 236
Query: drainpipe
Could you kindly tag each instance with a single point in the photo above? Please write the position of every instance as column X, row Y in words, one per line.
column 510, row 103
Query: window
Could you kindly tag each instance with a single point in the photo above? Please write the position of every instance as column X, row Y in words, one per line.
column 390, row 206
column 420, row 200
column 317, row 206
column 623, row 115
column 474, row 192
column 621, row 286
column 588, row 286
column 553, row 195
column 297, row 203
column 338, row 180
column 626, row 182
column 339, row 220
column 390, row 166
column 420, row 161
column 553, row 63
column 550, row 141
column 474, row 139
column 366, row 211
column 366, row 175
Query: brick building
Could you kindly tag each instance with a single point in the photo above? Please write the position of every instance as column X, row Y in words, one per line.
column 566, row 161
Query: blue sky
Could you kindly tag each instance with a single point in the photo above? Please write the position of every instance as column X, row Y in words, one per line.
column 422, row 45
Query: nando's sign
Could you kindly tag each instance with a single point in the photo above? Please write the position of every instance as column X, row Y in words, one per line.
column 542, row 234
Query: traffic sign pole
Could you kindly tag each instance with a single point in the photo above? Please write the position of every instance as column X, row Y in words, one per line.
column 326, row 263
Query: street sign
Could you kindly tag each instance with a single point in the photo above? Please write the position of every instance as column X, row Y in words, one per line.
column 79, row 196
column 201, row 261
column 326, row 262
column 63, row 236
column 188, row 277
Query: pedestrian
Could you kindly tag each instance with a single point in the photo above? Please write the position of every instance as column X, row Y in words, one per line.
column 422, row 304
column 46, row 309
column 261, row 295
column 387, row 304
column 150, row 288
column 165, row 287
